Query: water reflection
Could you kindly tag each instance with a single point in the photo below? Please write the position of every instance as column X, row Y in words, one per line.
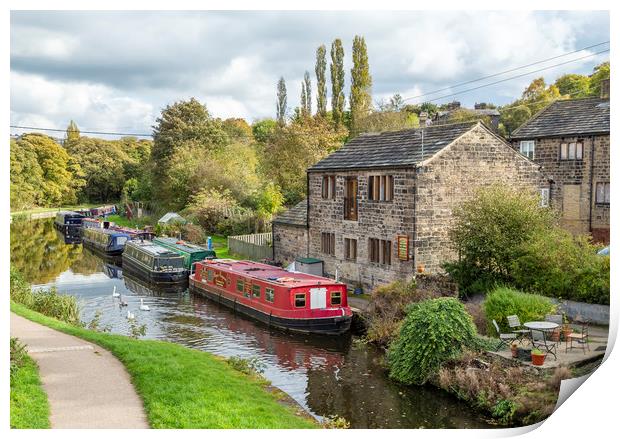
column 326, row 375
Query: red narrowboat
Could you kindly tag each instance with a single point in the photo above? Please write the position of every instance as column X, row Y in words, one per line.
column 296, row 302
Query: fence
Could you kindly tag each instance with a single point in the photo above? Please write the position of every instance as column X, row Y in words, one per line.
column 255, row 247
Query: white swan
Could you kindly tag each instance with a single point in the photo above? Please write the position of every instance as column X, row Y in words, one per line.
column 114, row 293
column 122, row 302
column 130, row 315
column 143, row 307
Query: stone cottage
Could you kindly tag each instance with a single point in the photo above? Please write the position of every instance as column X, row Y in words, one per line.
column 380, row 207
column 570, row 139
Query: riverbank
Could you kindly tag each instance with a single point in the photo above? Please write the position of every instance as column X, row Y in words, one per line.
column 29, row 405
column 186, row 388
column 38, row 210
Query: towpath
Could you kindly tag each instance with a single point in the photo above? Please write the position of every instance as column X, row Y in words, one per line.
column 87, row 387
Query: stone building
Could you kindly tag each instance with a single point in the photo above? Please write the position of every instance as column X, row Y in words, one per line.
column 380, row 207
column 570, row 139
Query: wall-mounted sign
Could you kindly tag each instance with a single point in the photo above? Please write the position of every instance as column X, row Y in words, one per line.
column 403, row 247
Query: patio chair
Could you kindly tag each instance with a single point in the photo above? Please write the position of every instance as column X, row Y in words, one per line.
column 541, row 341
column 557, row 319
column 515, row 325
column 504, row 338
column 580, row 335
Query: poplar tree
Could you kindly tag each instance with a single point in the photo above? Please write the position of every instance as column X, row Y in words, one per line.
column 337, row 75
column 72, row 135
column 303, row 106
column 308, row 89
column 281, row 102
column 361, row 82
column 319, row 70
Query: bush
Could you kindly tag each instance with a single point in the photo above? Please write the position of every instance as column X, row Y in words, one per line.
column 434, row 331
column 504, row 301
column 558, row 265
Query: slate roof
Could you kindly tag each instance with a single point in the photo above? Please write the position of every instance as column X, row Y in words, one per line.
column 567, row 118
column 295, row 216
column 392, row 149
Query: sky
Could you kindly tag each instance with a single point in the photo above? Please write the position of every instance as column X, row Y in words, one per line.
column 116, row 71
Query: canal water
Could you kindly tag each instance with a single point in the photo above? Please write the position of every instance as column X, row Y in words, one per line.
column 327, row 376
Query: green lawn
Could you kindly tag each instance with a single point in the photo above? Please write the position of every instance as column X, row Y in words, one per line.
column 187, row 388
column 136, row 223
column 29, row 407
column 53, row 209
column 220, row 245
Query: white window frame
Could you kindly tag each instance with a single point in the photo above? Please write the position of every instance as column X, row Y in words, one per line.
column 544, row 197
column 528, row 148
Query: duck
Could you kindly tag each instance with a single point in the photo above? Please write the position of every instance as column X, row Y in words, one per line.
column 143, row 307
column 114, row 293
column 130, row 315
column 122, row 302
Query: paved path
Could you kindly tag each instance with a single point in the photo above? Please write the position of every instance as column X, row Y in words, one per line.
column 87, row 387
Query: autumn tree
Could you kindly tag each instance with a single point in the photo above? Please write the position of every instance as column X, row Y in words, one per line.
column 281, row 102
column 573, row 85
column 26, row 177
column 337, row 76
column 361, row 82
column 73, row 134
column 308, row 88
column 321, row 86
column 601, row 72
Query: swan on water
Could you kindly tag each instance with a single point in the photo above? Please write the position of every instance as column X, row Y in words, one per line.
column 122, row 302
column 130, row 315
column 144, row 307
column 114, row 293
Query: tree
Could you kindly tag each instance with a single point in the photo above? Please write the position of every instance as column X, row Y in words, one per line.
column 72, row 134
column 302, row 110
column 601, row 72
column 26, row 177
column 512, row 118
column 319, row 70
column 237, row 129
column 336, row 69
column 361, row 82
column 281, row 102
column 308, row 88
column 387, row 120
column 573, row 85
column 262, row 130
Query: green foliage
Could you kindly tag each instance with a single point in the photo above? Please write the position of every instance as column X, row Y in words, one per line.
column 488, row 233
column 556, row 264
column 262, row 130
column 211, row 206
column 270, row 201
column 388, row 120
column 504, row 410
column 237, row 129
column 281, row 106
column 319, row 70
column 574, row 85
column 601, row 72
column 335, row 422
column 434, row 331
column 336, row 69
column 248, row 366
column 26, row 177
column 504, row 301
column 18, row 355
column 360, row 99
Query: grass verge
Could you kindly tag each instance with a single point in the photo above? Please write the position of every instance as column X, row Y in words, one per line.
column 29, row 406
column 186, row 388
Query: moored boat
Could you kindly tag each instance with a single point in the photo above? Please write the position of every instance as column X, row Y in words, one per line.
column 66, row 219
column 134, row 233
column 106, row 241
column 296, row 302
column 153, row 262
column 191, row 253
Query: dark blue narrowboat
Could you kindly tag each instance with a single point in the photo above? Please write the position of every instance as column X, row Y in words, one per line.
column 66, row 219
column 153, row 262
column 105, row 241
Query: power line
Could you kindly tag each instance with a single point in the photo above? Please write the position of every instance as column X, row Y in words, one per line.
column 504, row 72
column 515, row 77
column 85, row 132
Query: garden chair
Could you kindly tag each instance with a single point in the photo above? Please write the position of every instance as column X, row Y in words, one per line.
column 515, row 325
column 504, row 339
column 541, row 341
column 580, row 335
column 557, row 319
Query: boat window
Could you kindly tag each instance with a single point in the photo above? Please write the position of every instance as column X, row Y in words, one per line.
column 269, row 294
column 240, row 285
column 300, row 300
column 210, row 275
column 121, row 240
column 256, row 291
column 336, row 298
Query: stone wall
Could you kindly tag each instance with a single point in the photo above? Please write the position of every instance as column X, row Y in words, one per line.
column 289, row 243
column 571, row 193
column 376, row 219
column 475, row 160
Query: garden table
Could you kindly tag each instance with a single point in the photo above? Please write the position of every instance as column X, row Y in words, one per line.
column 541, row 326
column 544, row 327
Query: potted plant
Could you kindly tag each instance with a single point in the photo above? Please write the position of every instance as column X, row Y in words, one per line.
column 513, row 348
column 538, row 358
column 566, row 329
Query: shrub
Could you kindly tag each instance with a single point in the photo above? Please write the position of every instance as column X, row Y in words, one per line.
column 433, row 332
column 504, row 301
column 559, row 265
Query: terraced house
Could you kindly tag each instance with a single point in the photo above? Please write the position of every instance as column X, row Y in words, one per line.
column 379, row 208
column 570, row 139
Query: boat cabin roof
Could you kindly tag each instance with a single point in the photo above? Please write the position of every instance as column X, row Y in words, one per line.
column 153, row 249
column 70, row 213
column 181, row 245
column 269, row 273
column 110, row 232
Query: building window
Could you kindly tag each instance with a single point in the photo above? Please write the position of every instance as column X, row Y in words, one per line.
column 544, row 197
column 269, row 294
column 350, row 249
column 350, row 199
column 256, row 291
column 336, row 298
column 381, row 187
column 240, row 285
column 328, row 188
column 571, row 151
column 380, row 251
column 300, row 300
column 527, row 148
column 602, row 193
column 328, row 243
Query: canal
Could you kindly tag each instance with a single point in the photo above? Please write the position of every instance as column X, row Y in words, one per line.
column 326, row 376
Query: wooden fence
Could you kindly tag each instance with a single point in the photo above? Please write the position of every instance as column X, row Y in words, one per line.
column 255, row 247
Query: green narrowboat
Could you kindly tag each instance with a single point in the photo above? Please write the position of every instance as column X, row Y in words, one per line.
column 191, row 253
